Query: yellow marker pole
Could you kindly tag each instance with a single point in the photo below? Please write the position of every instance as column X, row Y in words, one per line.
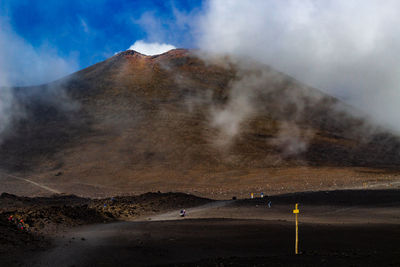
column 296, row 212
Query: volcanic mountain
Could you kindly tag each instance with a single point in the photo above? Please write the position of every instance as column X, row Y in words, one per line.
column 186, row 121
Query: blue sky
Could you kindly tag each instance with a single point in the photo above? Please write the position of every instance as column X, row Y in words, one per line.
column 83, row 32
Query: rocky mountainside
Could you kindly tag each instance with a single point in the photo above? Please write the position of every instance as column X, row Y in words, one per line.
column 150, row 118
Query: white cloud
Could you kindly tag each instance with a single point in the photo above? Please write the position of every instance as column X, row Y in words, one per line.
column 348, row 48
column 150, row 49
column 84, row 25
column 23, row 64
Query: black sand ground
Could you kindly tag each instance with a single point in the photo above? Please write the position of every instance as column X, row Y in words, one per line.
column 237, row 242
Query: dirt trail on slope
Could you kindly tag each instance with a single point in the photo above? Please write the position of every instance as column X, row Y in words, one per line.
column 46, row 188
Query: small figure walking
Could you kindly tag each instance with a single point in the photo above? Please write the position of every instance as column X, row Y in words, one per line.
column 182, row 213
column 269, row 204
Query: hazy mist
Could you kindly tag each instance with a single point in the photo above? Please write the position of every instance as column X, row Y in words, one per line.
column 349, row 49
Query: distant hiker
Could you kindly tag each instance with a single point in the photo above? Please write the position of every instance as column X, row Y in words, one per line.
column 269, row 204
column 182, row 213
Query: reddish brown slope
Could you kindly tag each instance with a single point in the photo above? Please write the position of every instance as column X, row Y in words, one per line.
column 136, row 122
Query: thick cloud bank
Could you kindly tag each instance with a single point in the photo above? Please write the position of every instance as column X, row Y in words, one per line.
column 22, row 64
column 348, row 48
column 150, row 49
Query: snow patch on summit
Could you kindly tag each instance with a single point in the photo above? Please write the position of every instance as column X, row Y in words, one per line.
column 150, row 49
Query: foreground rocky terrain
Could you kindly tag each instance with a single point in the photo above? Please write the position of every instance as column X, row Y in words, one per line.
column 337, row 228
column 31, row 223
